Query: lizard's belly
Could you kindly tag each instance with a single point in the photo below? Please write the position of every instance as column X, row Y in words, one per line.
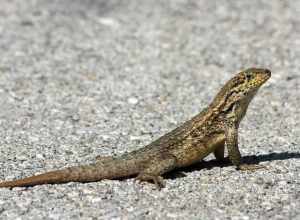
column 193, row 150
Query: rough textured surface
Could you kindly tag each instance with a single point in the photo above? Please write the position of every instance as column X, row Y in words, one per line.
column 83, row 78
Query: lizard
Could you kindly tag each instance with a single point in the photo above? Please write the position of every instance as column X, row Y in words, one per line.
column 210, row 131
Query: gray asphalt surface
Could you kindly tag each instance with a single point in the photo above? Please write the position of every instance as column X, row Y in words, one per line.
column 83, row 78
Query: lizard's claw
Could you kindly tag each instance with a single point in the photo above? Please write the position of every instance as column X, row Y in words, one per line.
column 251, row 167
column 157, row 180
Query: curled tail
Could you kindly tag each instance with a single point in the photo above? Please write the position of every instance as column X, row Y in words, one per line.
column 86, row 173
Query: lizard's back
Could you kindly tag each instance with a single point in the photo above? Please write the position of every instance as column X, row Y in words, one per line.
column 195, row 130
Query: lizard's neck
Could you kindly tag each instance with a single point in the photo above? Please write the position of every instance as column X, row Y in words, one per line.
column 242, row 106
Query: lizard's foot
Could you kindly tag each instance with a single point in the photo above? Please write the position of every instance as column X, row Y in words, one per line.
column 157, row 180
column 250, row 167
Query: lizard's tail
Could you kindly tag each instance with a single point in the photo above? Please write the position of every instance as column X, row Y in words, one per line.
column 86, row 173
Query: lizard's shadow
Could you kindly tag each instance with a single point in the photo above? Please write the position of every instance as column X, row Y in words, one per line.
column 252, row 159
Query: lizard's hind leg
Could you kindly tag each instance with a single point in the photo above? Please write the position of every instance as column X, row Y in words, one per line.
column 155, row 168
column 219, row 152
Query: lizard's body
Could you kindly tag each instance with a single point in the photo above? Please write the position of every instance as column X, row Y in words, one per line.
column 205, row 133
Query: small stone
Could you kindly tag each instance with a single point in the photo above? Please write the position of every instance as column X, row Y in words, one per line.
column 132, row 100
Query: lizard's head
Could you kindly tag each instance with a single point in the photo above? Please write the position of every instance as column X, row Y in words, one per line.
column 253, row 78
column 247, row 82
column 242, row 87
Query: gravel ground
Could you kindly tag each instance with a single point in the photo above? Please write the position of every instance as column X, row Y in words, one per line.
column 83, row 78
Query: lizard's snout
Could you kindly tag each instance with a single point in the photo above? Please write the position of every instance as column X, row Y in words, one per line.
column 264, row 75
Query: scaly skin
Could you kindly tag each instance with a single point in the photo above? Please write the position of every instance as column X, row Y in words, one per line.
column 208, row 132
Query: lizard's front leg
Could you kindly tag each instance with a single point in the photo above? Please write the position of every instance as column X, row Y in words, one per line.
column 231, row 134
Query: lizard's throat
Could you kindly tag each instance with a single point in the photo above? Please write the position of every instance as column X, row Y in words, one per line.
column 243, row 105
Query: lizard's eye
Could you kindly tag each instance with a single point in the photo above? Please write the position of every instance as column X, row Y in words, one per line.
column 248, row 76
